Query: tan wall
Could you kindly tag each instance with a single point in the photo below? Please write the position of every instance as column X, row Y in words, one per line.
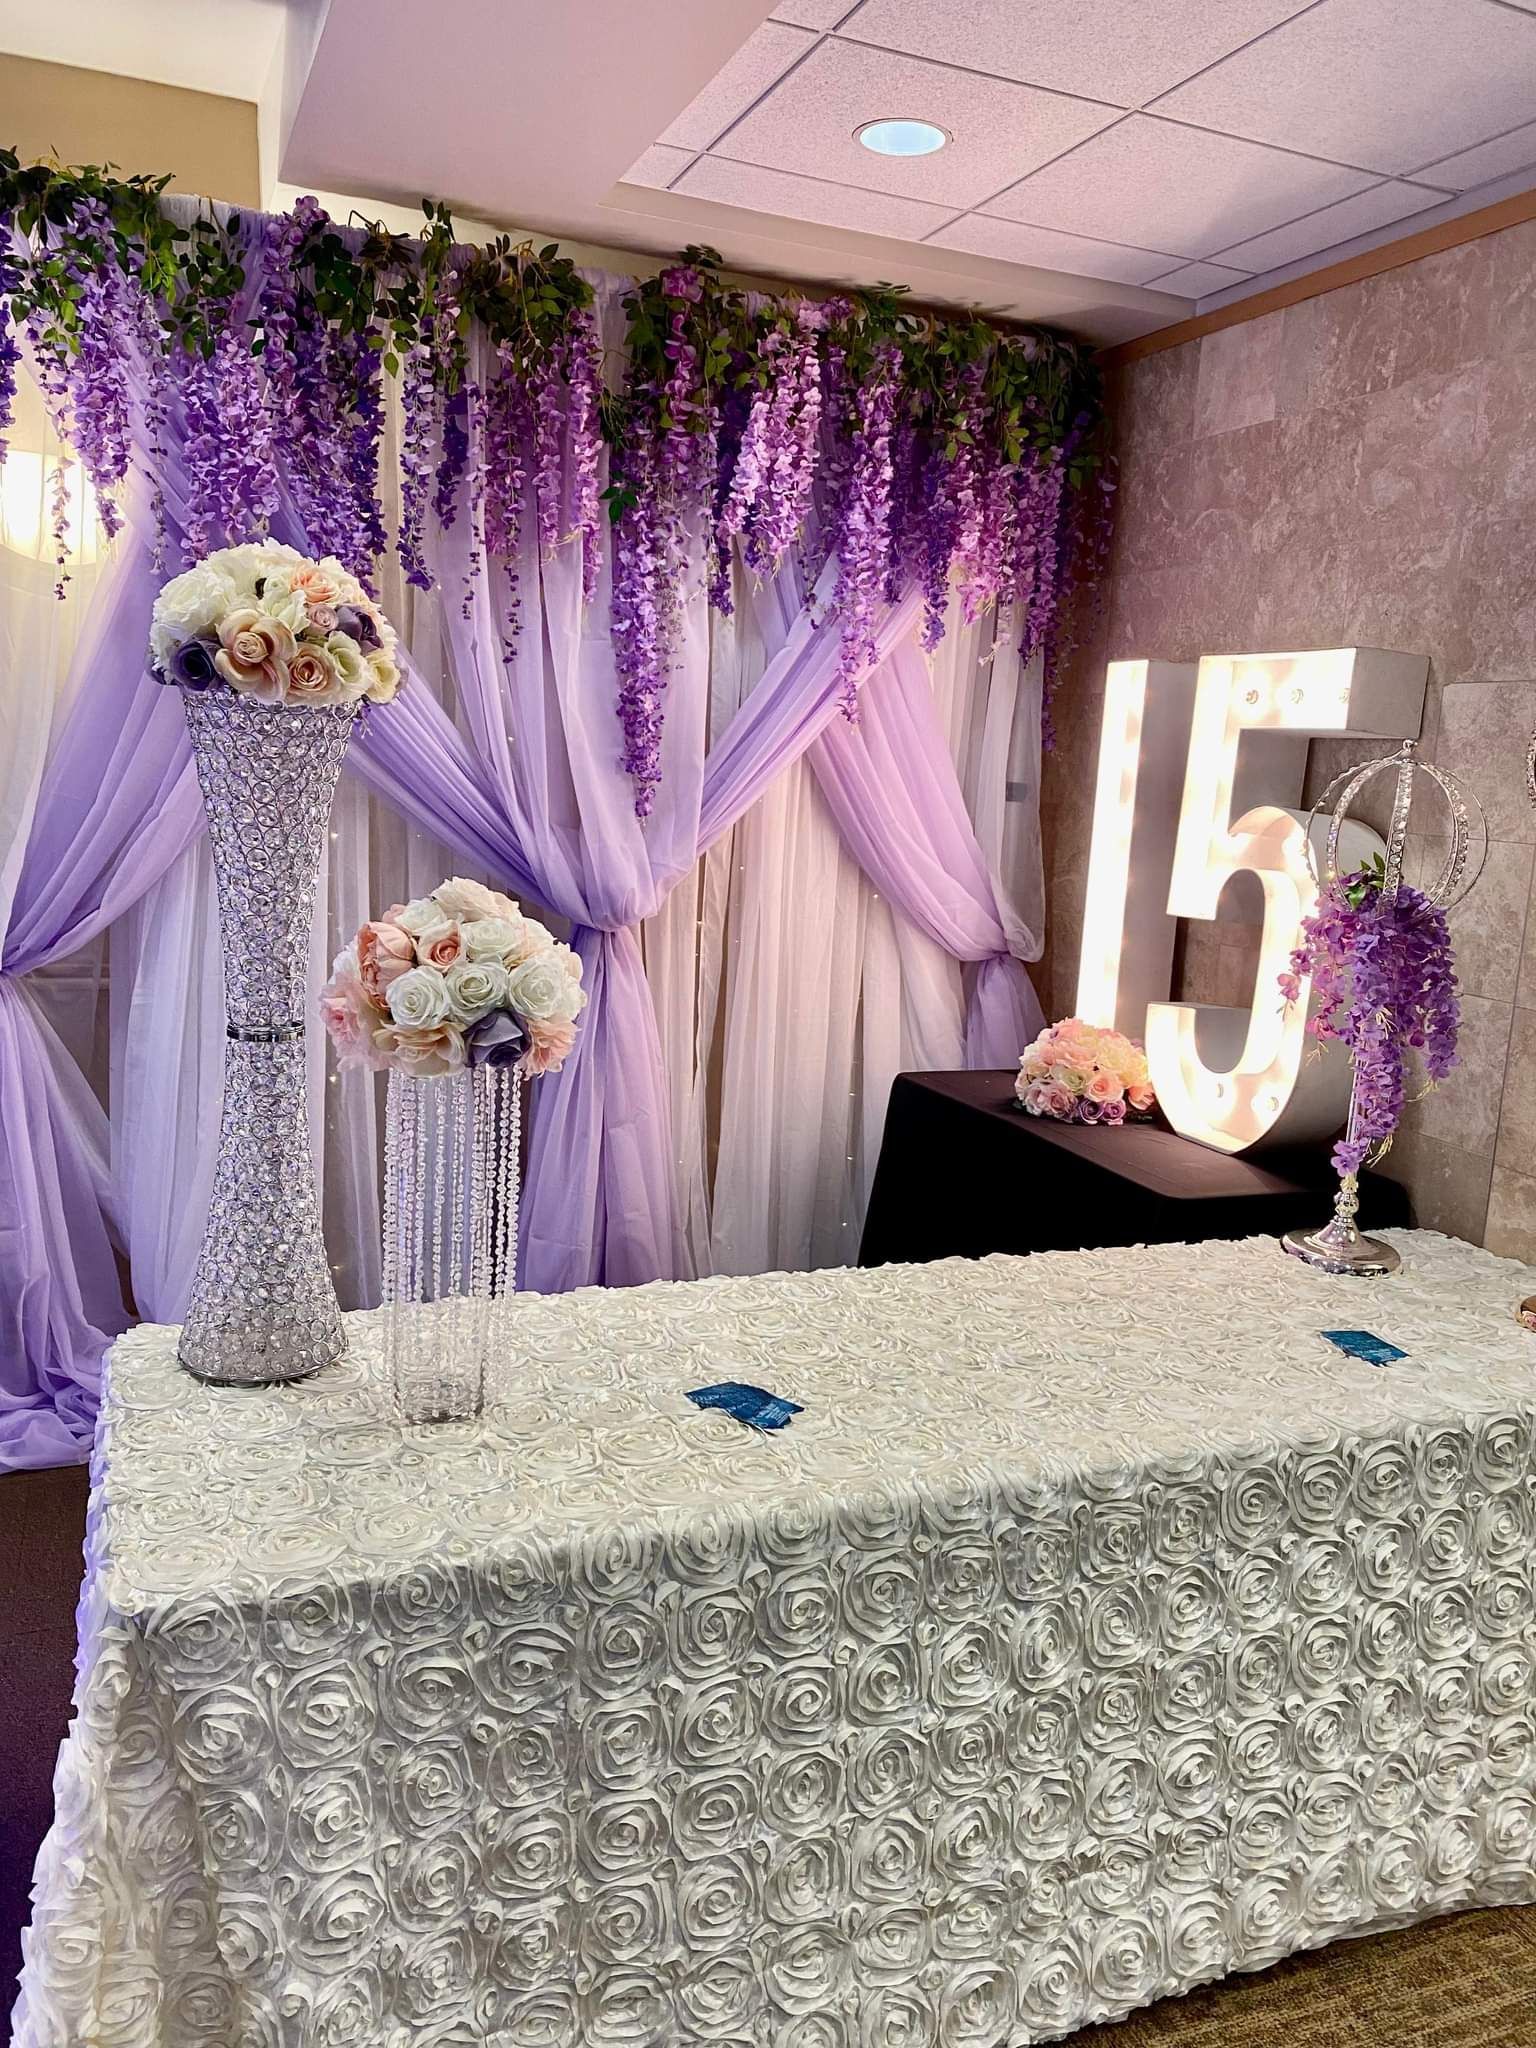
column 1359, row 469
column 93, row 117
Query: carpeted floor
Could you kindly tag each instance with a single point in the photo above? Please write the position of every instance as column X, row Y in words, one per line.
column 1469, row 1982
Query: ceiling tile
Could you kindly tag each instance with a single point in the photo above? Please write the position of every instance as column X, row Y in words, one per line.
column 835, row 206
column 999, row 130
column 659, row 166
column 766, row 55
column 1160, row 186
column 978, row 234
column 1195, row 280
column 1356, row 216
column 1381, row 83
column 1499, row 158
column 814, row 13
column 1120, row 50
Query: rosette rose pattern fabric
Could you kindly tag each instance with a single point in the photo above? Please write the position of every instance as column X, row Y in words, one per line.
column 1095, row 1630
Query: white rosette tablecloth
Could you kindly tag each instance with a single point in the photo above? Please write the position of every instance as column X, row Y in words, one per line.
column 1097, row 1629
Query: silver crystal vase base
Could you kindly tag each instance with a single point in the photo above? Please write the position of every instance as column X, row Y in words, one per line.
column 1339, row 1247
column 262, row 1307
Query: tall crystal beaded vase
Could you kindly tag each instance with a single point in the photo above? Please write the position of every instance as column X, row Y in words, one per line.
column 262, row 1307
column 451, row 1184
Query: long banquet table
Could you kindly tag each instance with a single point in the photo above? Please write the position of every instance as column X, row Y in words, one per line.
column 1096, row 1630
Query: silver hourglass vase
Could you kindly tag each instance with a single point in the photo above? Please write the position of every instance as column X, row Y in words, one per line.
column 262, row 1307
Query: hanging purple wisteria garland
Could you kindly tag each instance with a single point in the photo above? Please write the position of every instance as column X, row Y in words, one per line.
column 737, row 425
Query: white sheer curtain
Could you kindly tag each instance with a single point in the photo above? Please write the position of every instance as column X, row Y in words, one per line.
column 789, row 994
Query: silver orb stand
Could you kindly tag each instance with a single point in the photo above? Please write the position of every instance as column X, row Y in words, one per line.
column 1339, row 1246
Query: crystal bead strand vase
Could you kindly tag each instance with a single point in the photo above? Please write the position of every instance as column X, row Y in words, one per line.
column 451, row 1184
column 262, row 1307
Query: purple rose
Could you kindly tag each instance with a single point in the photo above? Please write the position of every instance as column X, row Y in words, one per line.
column 358, row 625
column 496, row 1041
column 1087, row 1111
column 1111, row 1112
column 192, row 664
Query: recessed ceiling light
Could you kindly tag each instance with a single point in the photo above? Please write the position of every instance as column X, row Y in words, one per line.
column 902, row 138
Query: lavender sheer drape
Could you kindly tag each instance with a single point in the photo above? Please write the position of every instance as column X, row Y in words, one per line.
column 117, row 804
column 891, row 786
column 528, row 784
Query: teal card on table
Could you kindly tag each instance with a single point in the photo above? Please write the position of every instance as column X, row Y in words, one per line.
column 1362, row 1345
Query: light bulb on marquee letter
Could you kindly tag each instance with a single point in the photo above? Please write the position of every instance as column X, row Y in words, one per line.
column 1260, row 1089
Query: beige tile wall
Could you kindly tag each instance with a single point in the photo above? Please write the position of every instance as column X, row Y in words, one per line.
column 1359, row 469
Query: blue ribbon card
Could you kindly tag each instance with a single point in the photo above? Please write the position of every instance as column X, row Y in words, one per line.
column 1362, row 1345
column 751, row 1405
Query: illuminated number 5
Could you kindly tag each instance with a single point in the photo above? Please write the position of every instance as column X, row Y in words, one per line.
column 1256, row 1088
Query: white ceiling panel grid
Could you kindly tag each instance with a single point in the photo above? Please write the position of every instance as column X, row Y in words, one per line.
column 981, row 234
column 1330, row 225
column 1122, row 51
column 1384, row 84
column 1497, row 158
column 1160, row 185
column 998, row 130
column 1197, row 280
column 761, row 60
column 812, row 199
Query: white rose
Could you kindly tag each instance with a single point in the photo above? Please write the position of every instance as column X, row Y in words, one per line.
column 350, row 666
column 190, row 604
column 494, row 938
column 474, row 986
column 418, row 998
column 536, row 938
column 418, row 914
column 571, row 962
column 287, row 605
column 541, row 989
column 465, row 899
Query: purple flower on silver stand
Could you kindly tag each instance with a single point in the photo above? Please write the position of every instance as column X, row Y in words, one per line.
column 496, row 1041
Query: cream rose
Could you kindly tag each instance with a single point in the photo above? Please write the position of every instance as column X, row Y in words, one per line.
column 418, row 999
column 415, row 916
column 474, row 987
column 493, row 938
column 350, row 665
column 542, row 991
column 383, row 677
column 458, row 897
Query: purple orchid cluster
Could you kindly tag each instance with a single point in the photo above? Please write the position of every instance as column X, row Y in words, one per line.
column 1384, row 979
column 10, row 347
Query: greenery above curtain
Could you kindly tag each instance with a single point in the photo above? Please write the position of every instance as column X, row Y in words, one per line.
column 910, row 445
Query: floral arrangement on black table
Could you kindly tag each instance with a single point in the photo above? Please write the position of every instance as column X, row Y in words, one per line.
column 1384, row 980
column 906, row 443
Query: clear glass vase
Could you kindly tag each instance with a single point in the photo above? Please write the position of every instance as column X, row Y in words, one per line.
column 451, row 1182
column 262, row 1307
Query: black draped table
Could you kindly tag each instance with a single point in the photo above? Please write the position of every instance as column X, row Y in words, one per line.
column 963, row 1172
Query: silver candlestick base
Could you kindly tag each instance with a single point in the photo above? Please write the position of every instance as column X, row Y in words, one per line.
column 1339, row 1247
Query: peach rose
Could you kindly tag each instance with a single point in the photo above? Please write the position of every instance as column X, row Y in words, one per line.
column 349, row 1017
column 430, row 1049
column 1140, row 1095
column 440, row 945
column 1104, row 1086
column 317, row 584
column 383, row 953
column 254, row 654
column 549, row 1045
column 313, row 678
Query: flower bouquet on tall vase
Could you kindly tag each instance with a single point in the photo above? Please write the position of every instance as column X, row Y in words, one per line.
column 274, row 655
column 459, row 997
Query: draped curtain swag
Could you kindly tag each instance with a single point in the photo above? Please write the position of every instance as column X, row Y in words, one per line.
column 527, row 782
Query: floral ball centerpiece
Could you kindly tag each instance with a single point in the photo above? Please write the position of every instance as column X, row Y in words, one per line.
column 274, row 625
column 458, row 978
column 1081, row 1073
